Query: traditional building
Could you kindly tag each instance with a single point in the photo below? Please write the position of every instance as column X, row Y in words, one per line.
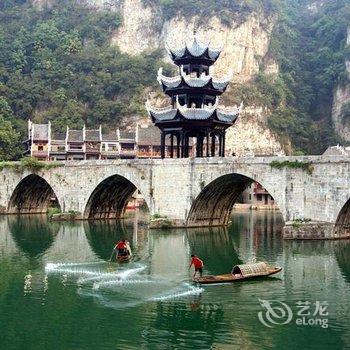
column 194, row 111
column 88, row 144
column 127, row 144
column 75, row 147
column 38, row 142
column 337, row 151
column 110, row 145
column 149, row 145
column 58, row 146
column 257, row 197
column 92, row 141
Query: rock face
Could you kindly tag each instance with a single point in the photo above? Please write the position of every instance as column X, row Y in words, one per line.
column 245, row 51
column 251, row 135
column 340, row 97
column 245, row 44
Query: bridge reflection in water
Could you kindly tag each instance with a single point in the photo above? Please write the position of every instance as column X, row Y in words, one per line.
column 149, row 309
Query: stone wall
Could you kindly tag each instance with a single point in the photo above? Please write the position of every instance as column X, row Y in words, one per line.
column 176, row 188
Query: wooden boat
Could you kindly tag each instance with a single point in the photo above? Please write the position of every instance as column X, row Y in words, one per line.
column 240, row 273
column 123, row 258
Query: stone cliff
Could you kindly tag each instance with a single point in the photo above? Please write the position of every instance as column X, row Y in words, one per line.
column 246, row 51
column 340, row 97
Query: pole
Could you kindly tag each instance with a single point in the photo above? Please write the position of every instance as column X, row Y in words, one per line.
column 110, row 259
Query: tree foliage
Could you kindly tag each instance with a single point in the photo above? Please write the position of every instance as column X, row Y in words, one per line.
column 9, row 139
column 57, row 63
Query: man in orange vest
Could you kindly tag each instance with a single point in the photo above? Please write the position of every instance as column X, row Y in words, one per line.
column 198, row 265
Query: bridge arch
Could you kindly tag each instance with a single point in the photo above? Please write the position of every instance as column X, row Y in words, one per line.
column 342, row 224
column 110, row 197
column 32, row 195
column 214, row 204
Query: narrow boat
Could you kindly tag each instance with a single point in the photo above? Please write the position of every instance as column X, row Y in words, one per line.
column 123, row 258
column 240, row 273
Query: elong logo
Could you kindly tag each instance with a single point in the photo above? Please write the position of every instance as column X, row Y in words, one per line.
column 279, row 313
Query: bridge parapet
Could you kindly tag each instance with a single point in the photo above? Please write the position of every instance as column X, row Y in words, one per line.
column 192, row 192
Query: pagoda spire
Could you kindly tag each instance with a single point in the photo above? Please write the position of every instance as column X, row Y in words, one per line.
column 194, row 116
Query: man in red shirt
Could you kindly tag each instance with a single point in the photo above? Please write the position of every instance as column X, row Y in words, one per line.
column 198, row 265
column 121, row 247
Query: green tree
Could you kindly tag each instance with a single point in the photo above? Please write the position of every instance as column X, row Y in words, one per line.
column 9, row 138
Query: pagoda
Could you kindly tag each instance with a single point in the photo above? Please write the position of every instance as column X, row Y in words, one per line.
column 194, row 111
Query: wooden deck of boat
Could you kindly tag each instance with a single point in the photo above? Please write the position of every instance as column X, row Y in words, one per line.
column 230, row 278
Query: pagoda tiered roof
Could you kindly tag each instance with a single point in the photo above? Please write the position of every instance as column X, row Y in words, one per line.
column 214, row 112
column 171, row 85
column 194, row 49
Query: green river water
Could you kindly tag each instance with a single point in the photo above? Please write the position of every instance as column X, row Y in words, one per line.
column 58, row 290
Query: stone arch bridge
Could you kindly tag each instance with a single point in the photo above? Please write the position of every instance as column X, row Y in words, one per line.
column 190, row 192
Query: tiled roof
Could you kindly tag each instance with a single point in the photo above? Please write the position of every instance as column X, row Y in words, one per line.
column 58, row 136
column 112, row 136
column 337, row 151
column 195, row 48
column 41, row 131
column 125, row 135
column 149, row 136
column 92, row 135
column 75, row 136
column 187, row 79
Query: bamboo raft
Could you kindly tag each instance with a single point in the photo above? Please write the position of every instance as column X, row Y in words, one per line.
column 240, row 273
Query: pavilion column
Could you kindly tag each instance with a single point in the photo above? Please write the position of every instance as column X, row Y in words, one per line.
column 213, row 145
column 162, row 145
column 171, row 145
column 223, row 145
column 201, row 139
column 198, row 146
column 207, row 146
column 182, row 139
column 177, row 145
column 220, row 145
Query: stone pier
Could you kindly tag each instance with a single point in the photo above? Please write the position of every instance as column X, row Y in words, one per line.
column 312, row 192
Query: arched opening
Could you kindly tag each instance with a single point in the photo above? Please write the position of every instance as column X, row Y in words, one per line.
column 33, row 195
column 214, row 204
column 342, row 225
column 111, row 198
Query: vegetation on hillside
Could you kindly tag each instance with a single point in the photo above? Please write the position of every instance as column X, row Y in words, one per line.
column 226, row 10
column 310, row 48
column 57, row 63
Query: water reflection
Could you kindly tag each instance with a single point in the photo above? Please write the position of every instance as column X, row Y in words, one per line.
column 177, row 323
column 258, row 234
column 73, row 290
column 217, row 245
column 33, row 234
column 103, row 235
column 342, row 253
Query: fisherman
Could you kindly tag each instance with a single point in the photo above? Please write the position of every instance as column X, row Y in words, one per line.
column 198, row 265
column 121, row 247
